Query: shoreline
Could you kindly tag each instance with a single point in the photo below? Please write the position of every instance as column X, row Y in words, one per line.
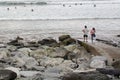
column 59, row 19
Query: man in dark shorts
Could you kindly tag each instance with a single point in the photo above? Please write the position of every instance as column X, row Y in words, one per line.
column 85, row 31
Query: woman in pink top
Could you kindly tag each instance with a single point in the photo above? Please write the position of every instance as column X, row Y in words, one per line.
column 92, row 32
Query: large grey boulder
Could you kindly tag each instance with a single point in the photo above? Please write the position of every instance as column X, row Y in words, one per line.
column 51, row 61
column 49, row 42
column 64, row 37
column 98, row 62
column 4, row 53
column 85, row 76
column 58, row 52
column 116, row 64
column 7, row 75
column 29, row 73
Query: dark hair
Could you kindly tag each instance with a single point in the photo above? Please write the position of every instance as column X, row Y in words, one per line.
column 85, row 26
column 93, row 28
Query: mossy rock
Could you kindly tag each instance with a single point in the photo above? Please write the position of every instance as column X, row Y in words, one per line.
column 64, row 37
column 49, row 42
column 89, row 48
column 68, row 41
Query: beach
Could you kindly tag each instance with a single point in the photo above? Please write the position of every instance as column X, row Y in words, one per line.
column 39, row 29
column 59, row 17
column 44, row 40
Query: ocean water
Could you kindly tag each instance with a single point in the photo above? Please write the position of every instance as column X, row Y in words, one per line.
column 56, row 10
column 54, row 19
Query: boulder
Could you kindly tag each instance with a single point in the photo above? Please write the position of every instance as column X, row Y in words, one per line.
column 70, row 47
column 49, row 42
column 116, row 64
column 111, row 72
column 14, row 69
column 51, row 61
column 4, row 53
column 118, row 35
column 16, row 42
column 64, row 37
column 11, row 48
column 29, row 73
column 58, row 52
column 85, row 76
column 68, row 41
column 68, row 66
column 30, row 62
column 39, row 53
column 25, row 51
column 98, row 62
column 2, row 45
column 7, row 75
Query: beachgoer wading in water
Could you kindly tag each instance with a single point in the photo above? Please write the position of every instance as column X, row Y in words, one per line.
column 92, row 32
column 85, row 36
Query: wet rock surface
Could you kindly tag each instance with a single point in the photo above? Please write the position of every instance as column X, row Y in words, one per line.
column 49, row 59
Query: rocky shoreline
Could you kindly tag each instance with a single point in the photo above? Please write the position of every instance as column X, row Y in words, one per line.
column 49, row 59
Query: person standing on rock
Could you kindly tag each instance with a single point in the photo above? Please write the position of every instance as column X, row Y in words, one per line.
column 85, row 36
column 92, row 32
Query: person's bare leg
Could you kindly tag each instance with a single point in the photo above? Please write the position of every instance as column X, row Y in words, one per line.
column 84, row 39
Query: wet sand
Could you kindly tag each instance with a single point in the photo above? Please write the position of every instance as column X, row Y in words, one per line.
column 39, row 29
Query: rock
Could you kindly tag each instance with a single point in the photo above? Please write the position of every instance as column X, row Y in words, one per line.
column 30, row 62
column 53, row 69
column 2, row 45
column 4, row 53
column 34, row 77
column 64, row 37
column 58, row 52
column 16, row 70
column 98, row 62
column 11, row 48
column 19, row 62
column 102, row 58
column 51, row 61
column 7, row 75
column 32, row 43
column 85, row 76
column 39, row 53
column 79, row 53
column 90, row 49
column 68, row 41
column 49, row 42
column 116, row 64
column 70, row 47
column 118, row 35
column 17, row 42
column 52, row 75
column 25, row 50
column 29, row 73
column 39, row 68
column 68, row 66
column 114, row 72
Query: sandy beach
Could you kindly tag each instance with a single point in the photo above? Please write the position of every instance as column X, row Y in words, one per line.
column 39, row 29
column 45, row 41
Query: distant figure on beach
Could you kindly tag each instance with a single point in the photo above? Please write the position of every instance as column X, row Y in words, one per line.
column 63, row 5
column 92, row 32
column 94, row 5
column 8, row 9
column 15, row 7
column 32, row 10
column 85, row 31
